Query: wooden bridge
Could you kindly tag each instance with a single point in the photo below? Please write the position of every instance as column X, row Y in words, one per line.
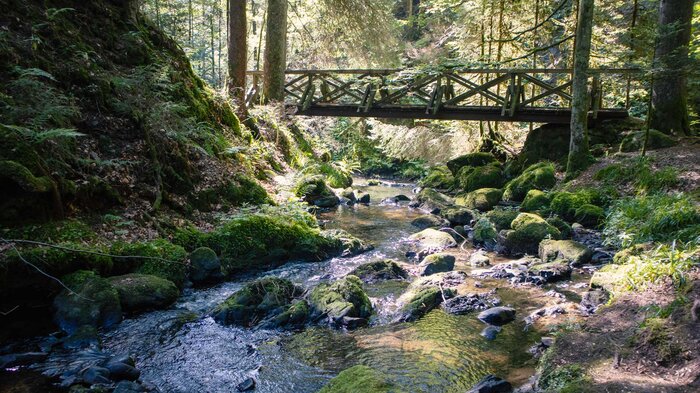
column 511, row 95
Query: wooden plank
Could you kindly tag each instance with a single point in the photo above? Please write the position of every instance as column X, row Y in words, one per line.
column 547, row 86
column 477, row 90
column 486, row 93
column 556, row 90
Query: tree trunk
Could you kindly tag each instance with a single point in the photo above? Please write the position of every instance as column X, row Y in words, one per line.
column 579, row 156
column 237, row 51
column 275, row 50
column 669, row 111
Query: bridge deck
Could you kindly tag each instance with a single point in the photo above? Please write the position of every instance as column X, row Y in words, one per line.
column 535, row 115
column 511, row 95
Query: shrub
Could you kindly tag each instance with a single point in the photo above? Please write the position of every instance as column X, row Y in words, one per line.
column 539, row 176
column 655, row 218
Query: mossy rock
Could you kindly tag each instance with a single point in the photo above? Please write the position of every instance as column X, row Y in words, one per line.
column 24, row 178
column 436, row 263
column 380, row 271
column 433, row 239
column 458, row 215
column 312, row 189
column 433, row 201
column 438, row 177
column 562, row 226
column 341, row 301
column 576, row 253
column 484, row 231
column 422, row 302
column 473, row 178
column 566, row 203
column 611, row 277
column 535, row 200
column 92, row 301
column 142, row 292
column 590, row 216
column 241, row 190
column 259, row 301
column 483, row 199
column 157, row 257
column 473, row 160
column 657, row 140
column 359, row 379
column 528, row 231
column 539, row 176
column 205, row 266
column 429, row 221
column 626, row 255
column 342, row 243
column 502, row 218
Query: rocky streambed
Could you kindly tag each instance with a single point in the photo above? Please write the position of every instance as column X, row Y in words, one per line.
column 424, row 311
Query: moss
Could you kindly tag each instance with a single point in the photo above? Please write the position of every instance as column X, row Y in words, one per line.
column 563, row 227
column 482, row 199
column 97, row 304
column 528, row 231
column 71, row 230
column 473, row 178
column 524, row 219
column 423, row 302
column 535, row 200
column 241, row 190
column 539, row 176
column 431, row 199
column 657, row 140
column 312, row 188
column 343, row 298
column 380, row 270
column 484, row 231
column 259, row 300
column 438, row 177
column 611, row 277
column 574, row 252
column 565, row 204
column 502, row 218
column 359, row 379
column 255, row 241
column 188, row 237
column 625, row 256
column 161, row 258
column 589, row 215
column 473, row 160
column 24, row 178
column 142, row 292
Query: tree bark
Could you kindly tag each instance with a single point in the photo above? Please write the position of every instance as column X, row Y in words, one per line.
column 669, row 110
column 275, row 50
column 237, row 51
column 579, row 155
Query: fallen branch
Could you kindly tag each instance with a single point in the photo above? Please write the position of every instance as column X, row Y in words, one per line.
column 6, row 313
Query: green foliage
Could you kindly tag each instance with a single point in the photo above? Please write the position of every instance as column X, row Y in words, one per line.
column 570, row 378
column 338, row 174
column 72, row 230
column 664, row 261
column 539, row 176
column 638, row 174
column 657, row 218
column 438, row 177
column 241, row 190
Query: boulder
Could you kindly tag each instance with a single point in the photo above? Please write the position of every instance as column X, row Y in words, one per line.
column 119, row 371
column 474, row 178
column 577, row 253
column 96, row 375
column 502, row 218
column 246, row 386
column 402, row 198
column 349, row 194
column 657, row 140
column 340, row 300
column 497, row 316
column 327, row 201
column 433, row 240
column 589, row 216
column 379, row 271
column 557, row 270
column 535, row 200
column 479, row 259
column 490, row 332
column 142, row 292
column 314, row 191
column 458, row 216
column 432, row 201
column 422, row 302
column 539, row 176
column 92, row 301
column 611, row 277
column 438, row 177
column 259, row 301
column 128, row 387
column 528, row 231
column 562, row 226
column 473, row 160
column 205, row 267
column 482, row 199
column 364, row 199
column 429, row 221
column 345, row 244
column 484, row 231
column 492, row 384
column 83, row 337
column 436, row 263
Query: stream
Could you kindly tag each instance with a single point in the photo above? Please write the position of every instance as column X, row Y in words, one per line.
column 183, row 350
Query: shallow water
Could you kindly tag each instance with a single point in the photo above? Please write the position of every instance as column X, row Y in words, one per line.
column 183, row 350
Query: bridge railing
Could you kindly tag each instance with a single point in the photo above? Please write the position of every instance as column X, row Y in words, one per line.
column 508, row 90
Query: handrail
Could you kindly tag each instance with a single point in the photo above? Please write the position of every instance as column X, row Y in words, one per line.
column 467, row 71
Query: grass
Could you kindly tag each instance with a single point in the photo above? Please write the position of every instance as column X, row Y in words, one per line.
column 672, row 261
column 639, row 175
